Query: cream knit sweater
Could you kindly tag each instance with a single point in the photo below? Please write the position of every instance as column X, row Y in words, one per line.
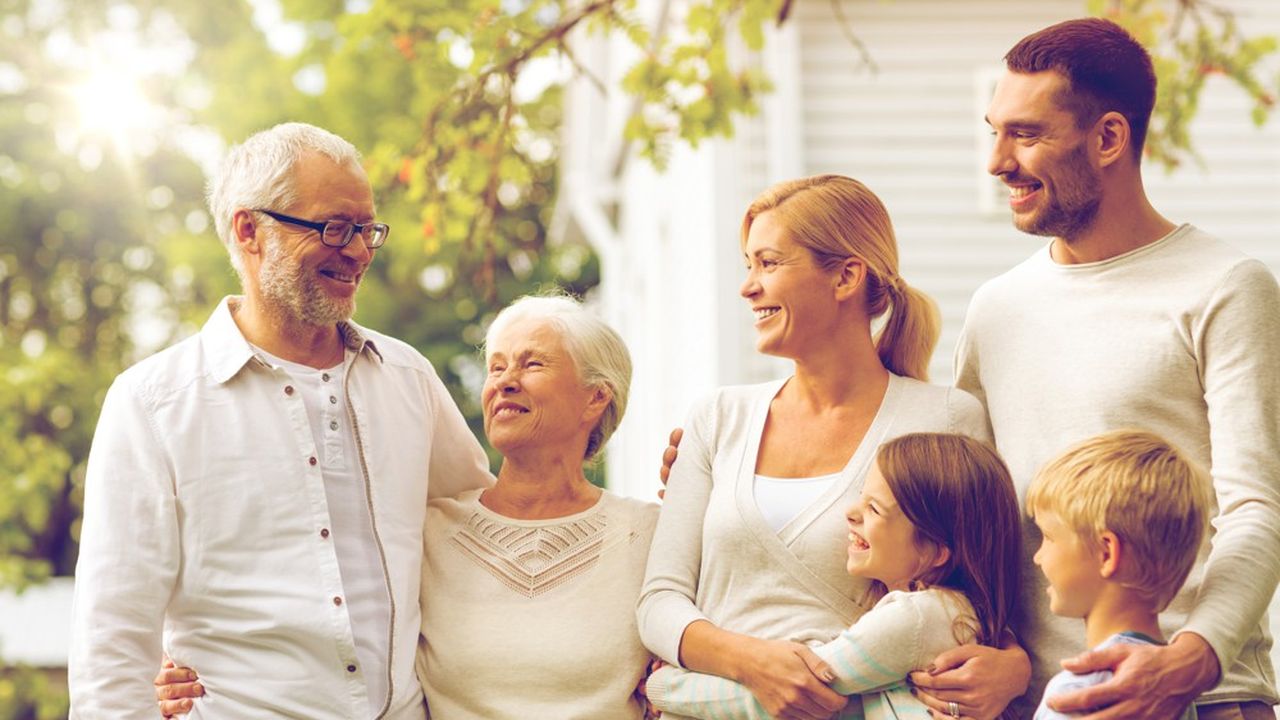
column 1180, row 337
column 533, row 618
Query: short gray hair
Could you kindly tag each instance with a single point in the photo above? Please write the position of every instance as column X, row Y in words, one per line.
column 597, row 350
column 257, row 173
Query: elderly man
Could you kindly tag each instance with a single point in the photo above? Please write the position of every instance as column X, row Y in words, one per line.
column 256, row 493
column 1125, row 319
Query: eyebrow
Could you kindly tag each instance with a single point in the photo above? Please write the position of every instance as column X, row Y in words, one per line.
column 886, row 504
column 1019, row 124
column 520, row 356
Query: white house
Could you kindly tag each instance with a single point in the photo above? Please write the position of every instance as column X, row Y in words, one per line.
column 911, row 129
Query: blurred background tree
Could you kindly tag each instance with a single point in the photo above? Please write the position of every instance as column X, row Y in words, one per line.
column 112, row 112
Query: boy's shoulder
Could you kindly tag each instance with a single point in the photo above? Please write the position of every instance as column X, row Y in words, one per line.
column 1067, row 681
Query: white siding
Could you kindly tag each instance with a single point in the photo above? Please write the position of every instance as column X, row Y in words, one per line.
column 912, row 131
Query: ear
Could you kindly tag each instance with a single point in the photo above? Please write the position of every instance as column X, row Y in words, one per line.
column 942, row 556
column 248, row 239
column 601, row 396
column 1108, row 554
column 851, row 276
column 1113, row 138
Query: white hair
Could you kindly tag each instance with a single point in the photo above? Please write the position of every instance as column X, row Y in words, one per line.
column 597, row 351
column 258, row 174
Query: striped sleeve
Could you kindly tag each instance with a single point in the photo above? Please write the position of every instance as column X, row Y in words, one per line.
column 699, row 695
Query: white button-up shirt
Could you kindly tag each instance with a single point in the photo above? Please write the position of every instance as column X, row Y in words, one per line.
column 206, row 522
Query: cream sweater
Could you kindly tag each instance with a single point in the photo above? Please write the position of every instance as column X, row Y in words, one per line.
column 1180, row 337
column 533, row 618
column 715, row 558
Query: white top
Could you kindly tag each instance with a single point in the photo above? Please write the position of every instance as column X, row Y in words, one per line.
column 206, row 521
column 903, row 633
column 1067, row 681
column 781, row 499
column 715, row 558
column 1180, row 337
column 537, row 617
column 351, row 525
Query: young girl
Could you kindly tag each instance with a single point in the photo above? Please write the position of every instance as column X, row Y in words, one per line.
column 937, row 528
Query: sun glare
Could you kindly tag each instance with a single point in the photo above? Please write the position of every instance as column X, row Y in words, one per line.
column 111, row 104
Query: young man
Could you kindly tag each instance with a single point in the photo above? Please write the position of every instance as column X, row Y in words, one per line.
column 256, row 493
column 1122, row 517
column 1125, row 319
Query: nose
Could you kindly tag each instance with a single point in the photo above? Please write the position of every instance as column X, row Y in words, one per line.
column 1001, row 161
column 508, row 381
column 750, row 286
column 357, row 250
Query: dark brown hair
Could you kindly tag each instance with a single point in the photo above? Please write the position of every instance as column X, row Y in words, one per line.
column 1106, row 69
column 957, row 493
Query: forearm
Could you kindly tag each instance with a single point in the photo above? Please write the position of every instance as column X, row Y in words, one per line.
column 107, row 675
column 1236, row 588
column 706, row 648
column 701, row 695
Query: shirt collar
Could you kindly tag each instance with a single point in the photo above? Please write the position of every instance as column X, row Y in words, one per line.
column 227, row 351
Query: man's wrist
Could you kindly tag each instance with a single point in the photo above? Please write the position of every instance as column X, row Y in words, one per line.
column 1200, row 660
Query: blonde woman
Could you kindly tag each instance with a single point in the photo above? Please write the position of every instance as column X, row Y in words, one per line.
column 747, row 565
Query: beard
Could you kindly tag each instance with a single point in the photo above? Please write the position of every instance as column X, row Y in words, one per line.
column 1073, row 205
column 296, row 294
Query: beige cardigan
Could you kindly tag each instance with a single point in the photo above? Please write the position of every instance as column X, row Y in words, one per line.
column 715, row 558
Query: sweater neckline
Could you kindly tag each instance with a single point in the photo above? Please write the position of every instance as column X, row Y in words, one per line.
column 1046, row 256
column 482, row 509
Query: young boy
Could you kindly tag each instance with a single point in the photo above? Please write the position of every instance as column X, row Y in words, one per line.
column 1123, row 516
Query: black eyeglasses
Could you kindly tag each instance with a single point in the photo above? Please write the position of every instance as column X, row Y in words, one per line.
column 337, row 233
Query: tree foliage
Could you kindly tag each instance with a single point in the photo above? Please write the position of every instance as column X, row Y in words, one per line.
column 1191, row 41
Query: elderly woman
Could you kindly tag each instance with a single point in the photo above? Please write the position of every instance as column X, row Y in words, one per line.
column 747, row 566
column 529, row 587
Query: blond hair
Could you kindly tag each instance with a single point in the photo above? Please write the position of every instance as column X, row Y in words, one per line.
column 1137, row 485
column 836, row 218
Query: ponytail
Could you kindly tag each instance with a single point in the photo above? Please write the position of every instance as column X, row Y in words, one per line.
column 911, row 331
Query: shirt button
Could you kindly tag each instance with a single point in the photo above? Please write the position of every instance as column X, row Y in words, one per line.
column 324, row 532
column 337, row 600
column 333, row 400
column 351, row 668
column 333, row 424
column 311, row 460
column 325, row 377
column 288, row 389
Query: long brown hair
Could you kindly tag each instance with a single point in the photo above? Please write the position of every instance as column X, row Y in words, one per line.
column 957, row 493
column 835, row 218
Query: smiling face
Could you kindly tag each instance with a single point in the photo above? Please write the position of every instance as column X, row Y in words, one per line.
column 882, row 541
column 532, row 396
column 299, row 276
column 1071, row 567
column 791, row 297
column 1043, row 156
